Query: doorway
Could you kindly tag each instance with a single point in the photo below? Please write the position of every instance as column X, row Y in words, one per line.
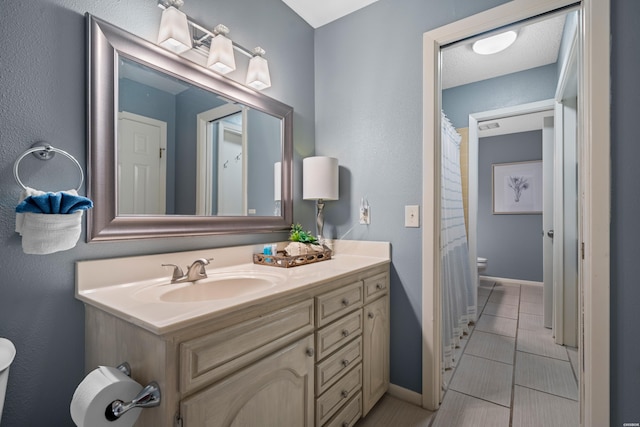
column 593, row 125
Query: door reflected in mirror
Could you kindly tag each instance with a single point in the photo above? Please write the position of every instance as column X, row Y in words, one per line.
column 184, row 150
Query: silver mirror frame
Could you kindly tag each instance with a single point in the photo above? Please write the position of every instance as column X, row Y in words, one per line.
column 105, row 44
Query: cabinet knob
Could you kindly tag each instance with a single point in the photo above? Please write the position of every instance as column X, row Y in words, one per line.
column 345, row 424
column 379, row 286
column 345, row 302
column 345, row 333
column 310, row 352
column 344, row 394
column 370, row 315
column 345, row 363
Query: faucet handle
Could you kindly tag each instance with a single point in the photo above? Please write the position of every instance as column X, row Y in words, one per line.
column 177, row 271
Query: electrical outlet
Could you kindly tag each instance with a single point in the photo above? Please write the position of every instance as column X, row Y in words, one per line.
column 365, row 212
column 412, row 216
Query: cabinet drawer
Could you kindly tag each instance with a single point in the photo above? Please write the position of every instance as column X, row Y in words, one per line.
column 209, row 358
column 334, row 336
column 349, row 415
column 335, row 304
column 334, row 398
column 335, row 366
column 375, row 286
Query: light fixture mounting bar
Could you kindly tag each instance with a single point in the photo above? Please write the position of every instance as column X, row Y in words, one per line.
column 204, row 40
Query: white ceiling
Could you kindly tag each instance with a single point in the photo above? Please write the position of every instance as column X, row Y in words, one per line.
column 317, row 13
column 537, row 45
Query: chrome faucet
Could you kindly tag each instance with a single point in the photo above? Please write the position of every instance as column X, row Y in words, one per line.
column 195, row 271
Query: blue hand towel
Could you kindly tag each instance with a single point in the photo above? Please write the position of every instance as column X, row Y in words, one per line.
column 61, row 202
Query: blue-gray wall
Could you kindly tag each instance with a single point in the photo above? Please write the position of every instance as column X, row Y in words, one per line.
column 519, row 88
column 42, row 92
column 378, row 143
column 511, row 243
column 369, row 116
column 625, row 211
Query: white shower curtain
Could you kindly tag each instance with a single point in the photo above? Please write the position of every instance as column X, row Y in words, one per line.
column 459, row 296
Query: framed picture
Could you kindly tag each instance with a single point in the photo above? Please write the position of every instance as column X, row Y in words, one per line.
column 517, row 188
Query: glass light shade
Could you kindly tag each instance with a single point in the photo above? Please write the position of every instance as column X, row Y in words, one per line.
column 495, row 44
column 277, row 181
column 258, row 73
column 174, row 31
column 221, row 58
column 320, row 178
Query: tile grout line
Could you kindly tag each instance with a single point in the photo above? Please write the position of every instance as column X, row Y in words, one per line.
column 515, row 354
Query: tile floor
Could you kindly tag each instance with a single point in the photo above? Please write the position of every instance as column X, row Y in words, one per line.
column 510, row 372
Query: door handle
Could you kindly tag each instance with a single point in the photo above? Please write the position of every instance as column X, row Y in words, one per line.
column 550, row 233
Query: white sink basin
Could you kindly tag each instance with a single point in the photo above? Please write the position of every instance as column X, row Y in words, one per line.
column 217, row 288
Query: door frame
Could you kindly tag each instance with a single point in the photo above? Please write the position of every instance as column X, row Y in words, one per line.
column 594, row 136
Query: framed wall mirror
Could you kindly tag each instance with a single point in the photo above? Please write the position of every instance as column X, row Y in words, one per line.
column 175, row 149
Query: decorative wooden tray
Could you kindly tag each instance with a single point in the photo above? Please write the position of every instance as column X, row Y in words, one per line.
column 285, row 261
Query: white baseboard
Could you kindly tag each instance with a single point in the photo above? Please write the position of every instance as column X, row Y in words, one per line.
column 514, row 281
column 405, row 394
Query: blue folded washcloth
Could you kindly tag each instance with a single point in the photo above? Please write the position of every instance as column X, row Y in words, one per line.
column 61, row 202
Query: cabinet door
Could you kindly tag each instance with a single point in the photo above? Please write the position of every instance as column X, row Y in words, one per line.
column 275, row 391
column 375, row 361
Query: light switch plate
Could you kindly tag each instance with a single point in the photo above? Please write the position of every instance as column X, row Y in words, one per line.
column 412, row 216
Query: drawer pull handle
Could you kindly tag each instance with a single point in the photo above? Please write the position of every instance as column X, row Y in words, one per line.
column 345, row 302
column 345, row 424
column 344, row 394
column 370, row 315
column 310, row 352
column 345, row 333
column 345, row 363
column 379, row 286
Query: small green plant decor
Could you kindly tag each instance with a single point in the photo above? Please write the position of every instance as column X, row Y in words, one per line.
column 298, row 234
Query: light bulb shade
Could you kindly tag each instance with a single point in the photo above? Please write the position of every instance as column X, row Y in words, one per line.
column 174, row 31
column 277, row 181
column 320, row 178
column 258, row 73
column 221, row 58
column 495, row 44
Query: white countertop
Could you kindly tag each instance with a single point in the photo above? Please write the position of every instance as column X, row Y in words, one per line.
column 129, row 288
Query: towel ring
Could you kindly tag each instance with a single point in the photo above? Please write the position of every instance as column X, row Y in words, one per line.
column 45, row 152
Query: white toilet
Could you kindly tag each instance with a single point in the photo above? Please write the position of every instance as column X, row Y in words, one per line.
column 7, row 353
column 482, row 265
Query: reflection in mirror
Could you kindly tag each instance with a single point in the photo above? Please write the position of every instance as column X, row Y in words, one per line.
column 167, row 125
column 178, row 150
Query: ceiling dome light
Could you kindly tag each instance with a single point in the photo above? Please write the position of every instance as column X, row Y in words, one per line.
column 495, row 44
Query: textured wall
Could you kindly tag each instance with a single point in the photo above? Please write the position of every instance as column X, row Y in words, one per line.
column 506, row 91
column 42, row 93
column 369, row 116
column 625, row 211
column 511, row 243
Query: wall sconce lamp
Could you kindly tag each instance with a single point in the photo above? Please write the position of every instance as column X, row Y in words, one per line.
column 320, row 183
column 179, row 33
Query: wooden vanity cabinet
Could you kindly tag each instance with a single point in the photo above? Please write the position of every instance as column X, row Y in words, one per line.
column 317, row 357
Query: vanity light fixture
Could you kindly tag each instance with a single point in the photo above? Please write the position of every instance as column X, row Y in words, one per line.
column 320, row 183
column 258, row 73
column 221, row 58
column 179, row 33
column 494, row 44
column 174, row 30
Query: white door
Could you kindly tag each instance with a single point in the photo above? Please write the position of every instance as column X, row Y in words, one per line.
column 142, row 144
column 231, row 158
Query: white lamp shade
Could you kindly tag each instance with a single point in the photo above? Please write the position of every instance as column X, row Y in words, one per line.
column 221, row 58
column 320, row 178
column 258, row 73
column 174, row 31
column 277, row 181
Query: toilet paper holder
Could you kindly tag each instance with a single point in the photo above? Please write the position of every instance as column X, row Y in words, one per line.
column 148, row 397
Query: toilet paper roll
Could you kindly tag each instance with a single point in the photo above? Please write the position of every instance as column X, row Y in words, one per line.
column 97, row 391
